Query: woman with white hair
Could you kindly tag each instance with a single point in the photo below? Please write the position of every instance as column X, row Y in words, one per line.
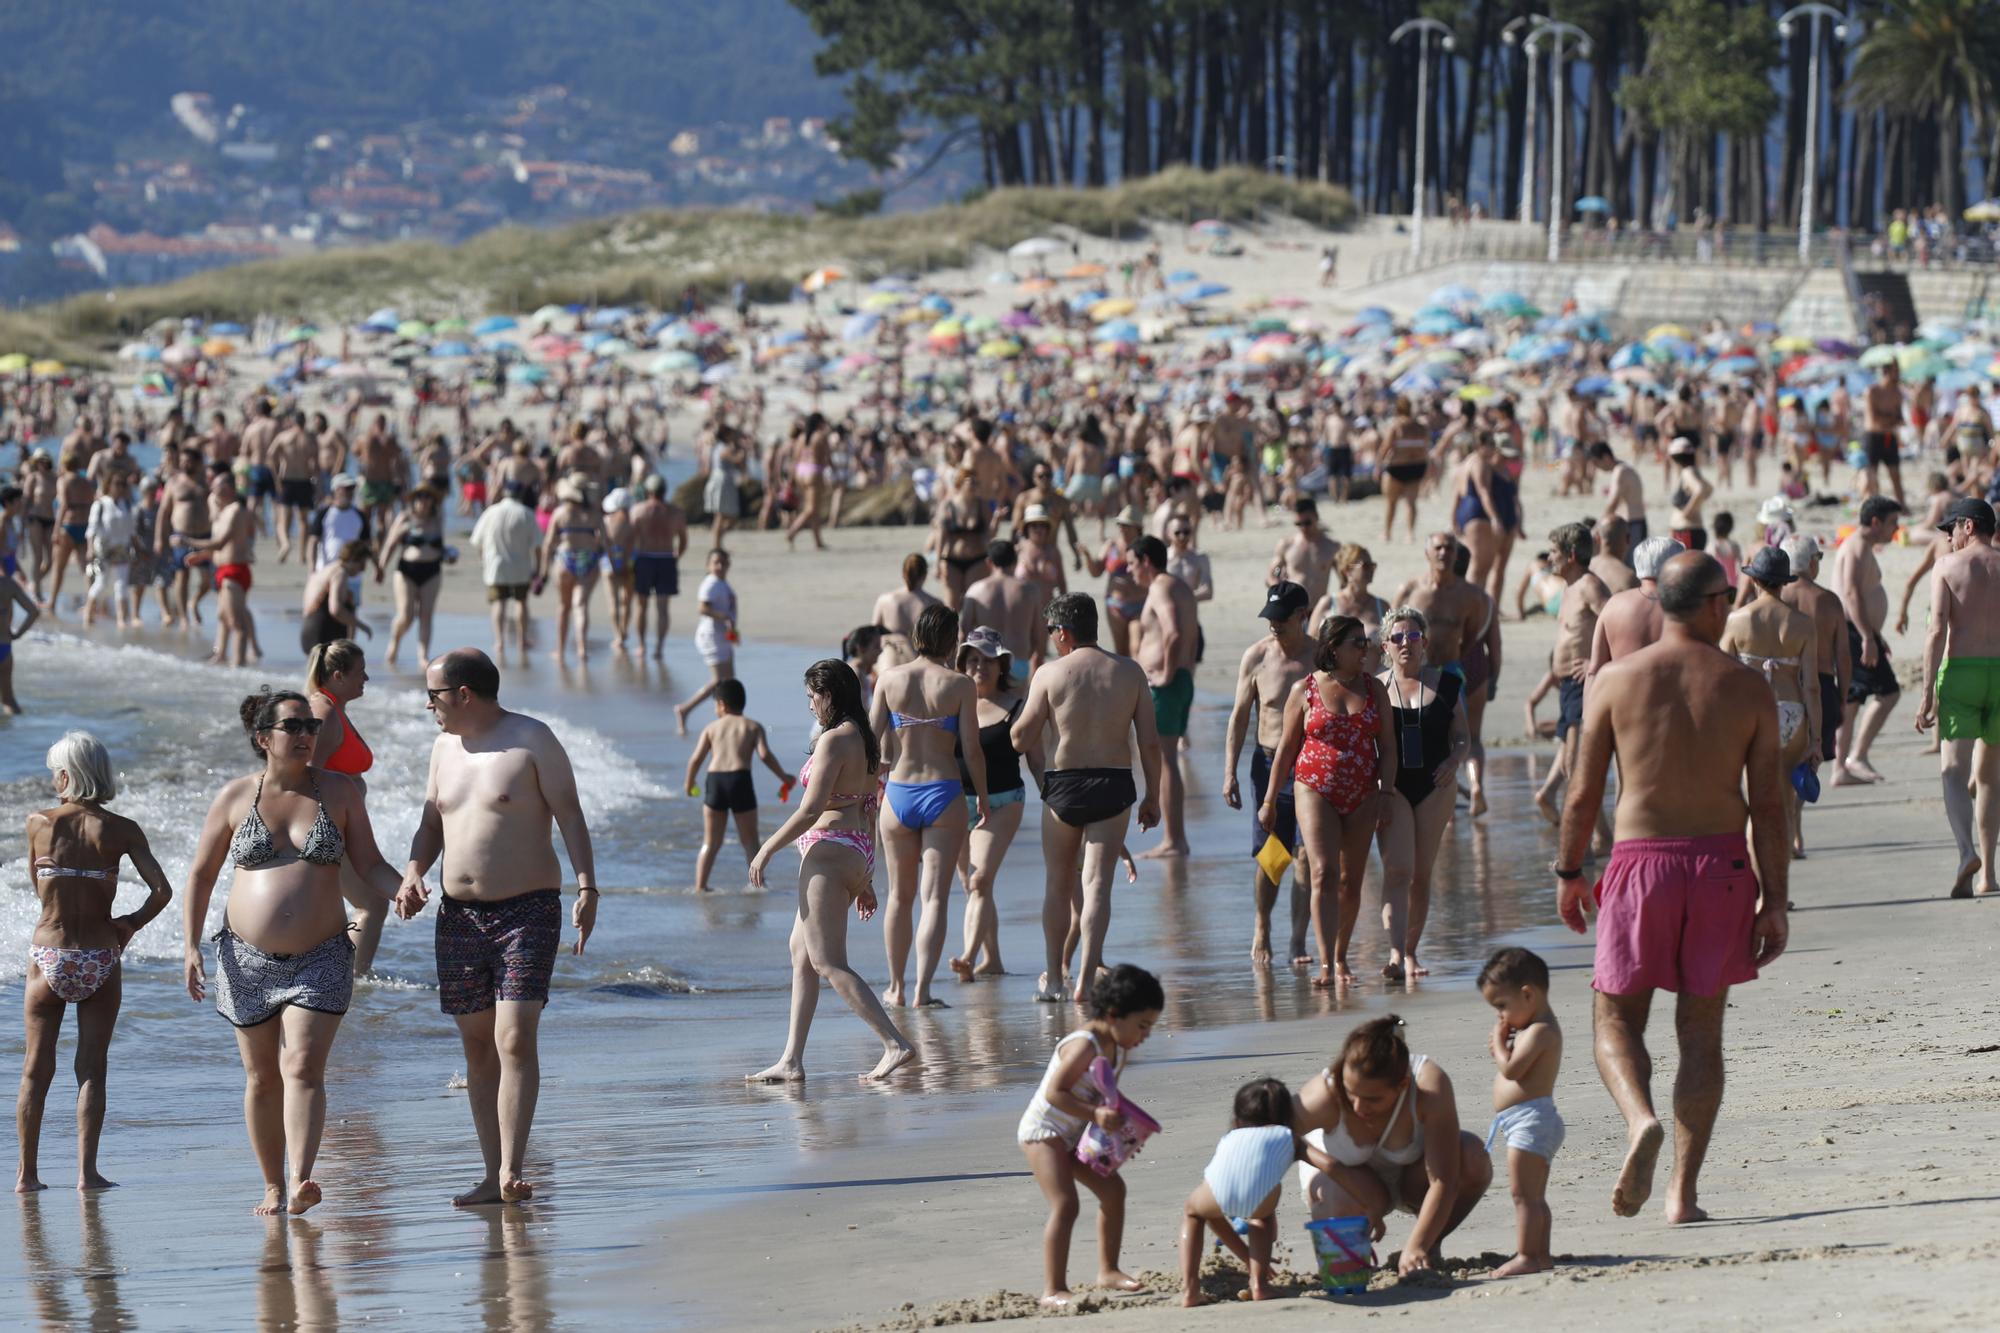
column 75, row 847
column 572, row 548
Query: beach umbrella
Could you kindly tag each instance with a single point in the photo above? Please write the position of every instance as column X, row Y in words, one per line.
column 451, row 325
column 1920, row 363
column 451, row 349
column 981, row 324
column 1288, row 303
column 1112, row 308
column 1018, row 319
column 668, row 363
column 1371, row 333
column 1443, row 356
column 1202, row 291
column 1986, row 210
column 218, row 347
column 1499, row 302
column 1879, row 355
column 1791, row 343
column 948, row 328
column 1035, row 286
column 1659, row 331
column 548, row 314
column 934, row 305
column 1474, row 393
column 1671, row 349
column 1595, row 386
column 227, row 328
column 13, row 362
column 1268, row 324
column 1035, row 247
column 494, row 324
column 720, row 371
column 1454, row 294
column 1117, row 330
column 884, row 300
column 788, row 338
column 854, row 361
column 1472, row 340
column 522, row 373
column 602, row 319
column 1181, row 275
column 1969, row 352
column 1374, row 314
column 138, row 352
column 1002, row 277
column 611, row 347
column 704, row 328
column 1593, row 203
column 46, row 367
column 1212, row 227
column 1000, row 349
column 1079, row 271
column 1417, row 381
column 1730, row 366
column 413, row 328
column 820, row 278
column 1436, row 326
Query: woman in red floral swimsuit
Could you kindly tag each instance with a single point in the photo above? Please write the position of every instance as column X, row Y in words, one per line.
column 1338, row 745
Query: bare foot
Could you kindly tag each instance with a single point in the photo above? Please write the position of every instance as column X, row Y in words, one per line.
column 1679, row 1214
column 1260, row 945
column 930, row 1002
column 785, row 1071
column 1057, row 1300
column 27, row 1183
column 1257, row 1293
column 1045, row 993
column 1521, row 1265
column 1962, row 886
column 486, row 1191
column 1190, row 1299
column 516, row 1190
column 273, row 1204
column 1300, row 958
column 1166, row 851
column 1549, row 809
column 680, row 720
column 892, row 996
column 1116, row 1279
column 990, row 970
column 304, row 1196
column 1478, row 802
column 1417, row 969
column 1861, row 771
column 96, row 1181
column 891, row 1061
column 1635, row 1181
column 962, row 966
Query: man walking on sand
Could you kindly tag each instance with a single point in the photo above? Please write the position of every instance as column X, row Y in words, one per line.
column 1678, row 907
column 1270, row 668
column 1570, row 551
column 1096, row 703
column 1806, row 596
column 1881, row 435
column 1873, row 687
column 659, row 540
column 498, row 782
column 509, row 546
column 1009, row 605
column 1167, row 633
column 1962, row 686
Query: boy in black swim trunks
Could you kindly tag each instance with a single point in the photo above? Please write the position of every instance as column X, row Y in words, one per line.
column 728, row 744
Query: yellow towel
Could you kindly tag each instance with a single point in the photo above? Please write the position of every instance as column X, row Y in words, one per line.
column 1273, row 858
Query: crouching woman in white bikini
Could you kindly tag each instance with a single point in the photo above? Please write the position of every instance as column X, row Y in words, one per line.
column 74, row 848
column 283, row 951
column 1390, row 1123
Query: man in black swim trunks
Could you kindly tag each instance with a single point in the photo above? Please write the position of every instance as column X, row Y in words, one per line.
column 1096, row 703
column 1872, row 687
column 1271, row 667
column 1880, row 435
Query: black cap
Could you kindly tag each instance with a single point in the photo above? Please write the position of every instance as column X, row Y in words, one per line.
column 1284, row 600
column 1972, row 509
column 1770, row 565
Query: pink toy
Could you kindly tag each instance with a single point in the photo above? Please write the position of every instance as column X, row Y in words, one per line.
column 1105, row 1150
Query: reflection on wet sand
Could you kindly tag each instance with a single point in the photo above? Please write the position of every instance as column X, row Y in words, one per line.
column 94, row 1273
column 514, row 1272
column 293, row 1290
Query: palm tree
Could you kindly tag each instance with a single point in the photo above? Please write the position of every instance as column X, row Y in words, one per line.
column 1936, row 61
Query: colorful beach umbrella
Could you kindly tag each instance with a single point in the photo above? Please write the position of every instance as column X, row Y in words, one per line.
column 495, row 324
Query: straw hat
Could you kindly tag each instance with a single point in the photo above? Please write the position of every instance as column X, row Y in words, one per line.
column 1035, row 514
column 1774, row 511
column 1130, row 517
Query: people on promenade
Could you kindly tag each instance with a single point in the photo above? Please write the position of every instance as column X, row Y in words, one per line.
column 499, row 783
column 1682, row 906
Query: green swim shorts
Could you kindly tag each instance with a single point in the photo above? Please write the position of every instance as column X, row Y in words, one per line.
column 1968, row 699
column 1172, row 703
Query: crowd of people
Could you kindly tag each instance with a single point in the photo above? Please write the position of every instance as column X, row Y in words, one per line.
column 1722, row 673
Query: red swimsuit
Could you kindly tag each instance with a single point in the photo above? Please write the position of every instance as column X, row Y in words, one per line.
column 1339, row 759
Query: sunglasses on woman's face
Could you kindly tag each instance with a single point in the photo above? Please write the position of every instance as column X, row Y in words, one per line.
column 1407, row 636
column 296, row 726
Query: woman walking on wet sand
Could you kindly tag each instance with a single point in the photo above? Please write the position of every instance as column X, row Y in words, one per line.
column 834, row 826
column 283, row 951
column 74, row 849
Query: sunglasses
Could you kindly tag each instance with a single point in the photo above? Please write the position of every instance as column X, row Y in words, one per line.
column 432, row 695
column 1407, row 636
column 296, row 726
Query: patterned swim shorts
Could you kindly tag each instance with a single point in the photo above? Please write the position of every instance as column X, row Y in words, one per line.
column 502, row 950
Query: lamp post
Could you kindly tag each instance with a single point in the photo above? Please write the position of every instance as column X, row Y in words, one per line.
column 1842, row 31
column 1558, row 31
column 1424, row 29
column 1511, row 34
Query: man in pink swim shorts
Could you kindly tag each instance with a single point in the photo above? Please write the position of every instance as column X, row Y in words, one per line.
column 1679, row 907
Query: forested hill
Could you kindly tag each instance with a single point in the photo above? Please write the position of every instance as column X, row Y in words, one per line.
column 94, row 67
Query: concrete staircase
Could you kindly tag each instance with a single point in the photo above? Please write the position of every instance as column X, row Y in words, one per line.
column 1820, row 308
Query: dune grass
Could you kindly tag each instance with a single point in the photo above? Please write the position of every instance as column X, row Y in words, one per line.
column 651, row 257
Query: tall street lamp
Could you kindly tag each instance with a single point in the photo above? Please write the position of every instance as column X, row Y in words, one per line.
column 1558, row 31
column 1511, row 34
column 1424, row 29
column 1843, row 31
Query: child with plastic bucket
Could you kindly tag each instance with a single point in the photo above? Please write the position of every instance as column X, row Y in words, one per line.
column 1242, row 1182
column 1079, row 1093
column 1527, row 1053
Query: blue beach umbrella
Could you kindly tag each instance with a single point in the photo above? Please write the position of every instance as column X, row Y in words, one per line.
column 226, row 329
column 1595, row 386
column 1593, row 203
column 1181, row 275
column 1202, row 291
column 451, row 349
column 605, row 318
column 860, row 326
column 494, row 324
column 1500, row 302
column 1454, row 294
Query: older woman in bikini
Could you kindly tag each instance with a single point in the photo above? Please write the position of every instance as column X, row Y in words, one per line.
column 74, row 848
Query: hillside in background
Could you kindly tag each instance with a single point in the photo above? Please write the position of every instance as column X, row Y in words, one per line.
column 94, row 71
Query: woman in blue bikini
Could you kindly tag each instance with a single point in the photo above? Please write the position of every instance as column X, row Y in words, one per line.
column 919, row 712
column 572, row 549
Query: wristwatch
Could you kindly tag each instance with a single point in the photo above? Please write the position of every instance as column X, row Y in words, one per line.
column 1561, row 873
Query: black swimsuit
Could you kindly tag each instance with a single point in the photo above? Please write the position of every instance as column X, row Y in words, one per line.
column 1433, row 722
